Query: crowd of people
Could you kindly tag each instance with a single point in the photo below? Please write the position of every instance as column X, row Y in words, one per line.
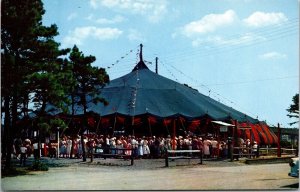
column 139, row 147
column 146, row 147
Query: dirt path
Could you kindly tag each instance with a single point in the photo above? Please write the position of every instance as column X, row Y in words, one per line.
column 199, row 177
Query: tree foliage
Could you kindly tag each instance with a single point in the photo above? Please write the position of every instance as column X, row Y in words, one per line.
column 294, row 109
column 87, row 81
column 31, row 63
column 35, row 70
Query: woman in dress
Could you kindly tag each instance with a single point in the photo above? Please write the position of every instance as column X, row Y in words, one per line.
column 69, row 146
column 119, row 145
column 206, row 144
column 146, row 149
column 140, row 147
column 63, row 147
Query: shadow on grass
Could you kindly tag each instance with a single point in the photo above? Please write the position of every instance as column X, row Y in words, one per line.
column 57, row 165
column 14, row 171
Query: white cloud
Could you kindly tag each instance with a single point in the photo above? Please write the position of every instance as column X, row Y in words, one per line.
column 246, row 39
column 94, row 3
column 135, row 35
column 272, row 55
column 114, row 20
column 260, row 19
column 72, row 16
column 209, row 23
column 154, row 10
column 81, row 33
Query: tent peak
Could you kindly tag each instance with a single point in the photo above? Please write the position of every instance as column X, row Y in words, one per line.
column 141, row 52
column 141, row 64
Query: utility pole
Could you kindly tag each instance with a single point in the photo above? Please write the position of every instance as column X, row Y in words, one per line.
column 156, row 65
column 278, row 144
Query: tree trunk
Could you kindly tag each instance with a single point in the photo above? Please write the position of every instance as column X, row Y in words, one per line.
column 82, row 145
column 72, row 147
column 12, row 131
column 73, row 136
column 6, row 134
column 84, row 127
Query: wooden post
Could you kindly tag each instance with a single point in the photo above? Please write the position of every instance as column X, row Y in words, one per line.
column 233, row 140
column 174, row 128
column 167, row 159
column 150, row 129
column 156, row 65
column 92, row 154
column 132, row 157
column 201, row 155
column 174, row 135
column 218, row 140
column 231, row 150
column 278, row 144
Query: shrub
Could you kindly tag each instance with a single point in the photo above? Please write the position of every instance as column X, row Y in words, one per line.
column 39, row 166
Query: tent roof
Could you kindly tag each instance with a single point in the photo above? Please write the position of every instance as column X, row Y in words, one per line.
column 143, row 91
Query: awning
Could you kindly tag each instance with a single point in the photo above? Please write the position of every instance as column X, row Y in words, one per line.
column 223, row 123
column 259, row 132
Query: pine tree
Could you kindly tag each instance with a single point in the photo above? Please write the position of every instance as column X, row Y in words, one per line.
column 89, row 80
column 31, row 64
column 294, row 109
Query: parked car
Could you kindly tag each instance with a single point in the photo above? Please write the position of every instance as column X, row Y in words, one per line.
column 294, row 164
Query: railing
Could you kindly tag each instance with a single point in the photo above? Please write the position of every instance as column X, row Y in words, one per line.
column 248, row 152
column 108, row 152
column 273, row 151
column 183, row 154
column 243, row 152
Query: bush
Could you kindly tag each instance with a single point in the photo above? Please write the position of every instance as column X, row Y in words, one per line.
column 38, row 166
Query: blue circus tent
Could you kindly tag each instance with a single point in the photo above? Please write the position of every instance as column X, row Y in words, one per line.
column 145, row 92
column 143, row 98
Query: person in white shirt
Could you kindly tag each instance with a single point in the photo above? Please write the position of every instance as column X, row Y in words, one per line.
column 23, row 151
column 206, row 144
column 36, row 150
column 134, row 145
column 255, row 149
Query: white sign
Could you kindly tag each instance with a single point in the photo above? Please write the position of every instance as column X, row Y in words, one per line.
column 285, row 138
column 223, row 128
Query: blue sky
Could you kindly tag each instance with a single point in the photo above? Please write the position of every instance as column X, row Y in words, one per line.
column 244, row 53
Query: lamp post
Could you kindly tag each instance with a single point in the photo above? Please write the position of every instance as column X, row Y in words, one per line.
column 57, row 142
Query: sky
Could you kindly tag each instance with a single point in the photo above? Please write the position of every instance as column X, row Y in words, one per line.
column 243, row 53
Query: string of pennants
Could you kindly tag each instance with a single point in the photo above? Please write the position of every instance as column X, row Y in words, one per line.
column 119, row 60
column 132, row 101
column 169, row 71
column 210, row 91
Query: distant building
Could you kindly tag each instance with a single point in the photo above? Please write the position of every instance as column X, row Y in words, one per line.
column 288, row 134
